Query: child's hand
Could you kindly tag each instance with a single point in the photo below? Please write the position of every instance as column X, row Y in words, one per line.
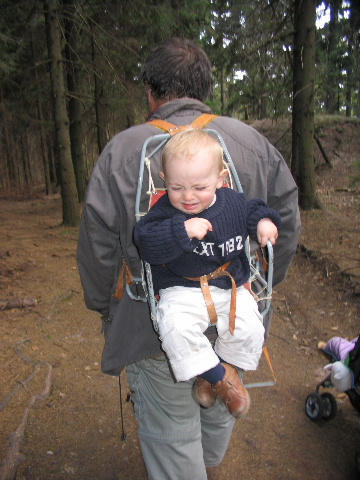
column 197, row 227
column 266, row 231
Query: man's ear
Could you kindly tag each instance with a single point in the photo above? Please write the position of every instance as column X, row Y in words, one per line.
column 151, row 100
column 154, row 102
column 162, row 176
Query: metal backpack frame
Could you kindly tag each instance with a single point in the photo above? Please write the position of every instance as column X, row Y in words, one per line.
column 153, row 145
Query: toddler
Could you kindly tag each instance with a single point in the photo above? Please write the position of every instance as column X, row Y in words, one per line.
column 193, row 238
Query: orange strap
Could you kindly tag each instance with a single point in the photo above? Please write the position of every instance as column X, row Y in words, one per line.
column 267, row 356
column 204, row 279
column 166, row 126
column 199, row 122
column 124, row 272
column 203, row 120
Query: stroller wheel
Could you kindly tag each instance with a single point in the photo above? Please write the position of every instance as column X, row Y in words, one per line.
column 313, row 406
column 328, row 406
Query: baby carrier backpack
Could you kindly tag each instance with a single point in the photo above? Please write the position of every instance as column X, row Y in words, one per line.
column 261, row 260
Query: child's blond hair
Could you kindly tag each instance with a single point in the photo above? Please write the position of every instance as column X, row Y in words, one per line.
column 188, row 142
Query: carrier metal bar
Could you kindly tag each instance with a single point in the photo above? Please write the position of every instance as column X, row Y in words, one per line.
column 162, row 138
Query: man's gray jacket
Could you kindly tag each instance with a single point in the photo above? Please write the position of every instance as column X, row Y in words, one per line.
column 106, row 231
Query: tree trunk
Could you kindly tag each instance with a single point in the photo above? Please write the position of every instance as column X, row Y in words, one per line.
column 100, row 123
column 25, row 147
column 70, row 204
column 332, row 86
column 355, row 28
column 75, row 107
column 53, row 153
column 44, row 157
column 353, row 60
column 8, row 174
column 262, row 95
column 302, row 167
column 52, row 156
column 45, row 162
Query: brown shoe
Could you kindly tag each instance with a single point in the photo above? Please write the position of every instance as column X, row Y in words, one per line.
column 232, row 392
column 203, row 393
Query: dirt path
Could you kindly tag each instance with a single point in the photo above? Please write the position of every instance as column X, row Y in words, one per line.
column 75, row 432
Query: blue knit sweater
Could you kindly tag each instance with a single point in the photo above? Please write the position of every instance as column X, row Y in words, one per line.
column 163, row 242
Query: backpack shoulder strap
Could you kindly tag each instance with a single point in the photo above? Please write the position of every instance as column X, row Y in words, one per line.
column 200, row 122
column 162, row 125
column 203, row 120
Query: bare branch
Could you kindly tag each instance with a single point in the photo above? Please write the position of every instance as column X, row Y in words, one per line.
column 13, row 456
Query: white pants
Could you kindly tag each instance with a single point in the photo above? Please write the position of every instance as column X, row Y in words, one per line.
column 183, row 317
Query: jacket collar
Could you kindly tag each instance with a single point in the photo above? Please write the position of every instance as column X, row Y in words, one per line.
column 170, row 108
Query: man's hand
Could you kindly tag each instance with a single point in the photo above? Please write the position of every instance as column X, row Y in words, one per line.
column 197, row 227
column 266, row 231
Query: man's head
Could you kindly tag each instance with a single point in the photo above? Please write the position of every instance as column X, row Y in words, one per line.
column 178, row 68
column 193, row 169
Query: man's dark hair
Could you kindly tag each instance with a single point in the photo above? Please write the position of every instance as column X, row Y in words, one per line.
column 178, row 68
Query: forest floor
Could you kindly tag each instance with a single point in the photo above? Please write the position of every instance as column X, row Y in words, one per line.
column 62, row 415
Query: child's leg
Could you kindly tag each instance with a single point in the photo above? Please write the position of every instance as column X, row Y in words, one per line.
column 244, row 348
column 182, row 317
column 222, row 381
column 215, row 374
column 203, row 391
column 229, row 389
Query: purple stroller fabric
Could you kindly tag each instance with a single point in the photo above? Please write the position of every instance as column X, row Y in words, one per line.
column 339, row 347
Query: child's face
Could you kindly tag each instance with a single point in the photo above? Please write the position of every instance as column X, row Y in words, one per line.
column 192, row 181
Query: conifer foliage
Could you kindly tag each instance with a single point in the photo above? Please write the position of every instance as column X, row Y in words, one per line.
column 60, row 103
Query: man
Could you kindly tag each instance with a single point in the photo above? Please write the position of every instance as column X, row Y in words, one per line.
column 179, row 440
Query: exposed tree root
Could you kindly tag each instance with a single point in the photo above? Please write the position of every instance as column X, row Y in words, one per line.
column 17, row 303
column 23, row 383
column 13, row 456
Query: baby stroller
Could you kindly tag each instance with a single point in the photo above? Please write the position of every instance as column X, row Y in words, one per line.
column 323, row 406
column 261, row 260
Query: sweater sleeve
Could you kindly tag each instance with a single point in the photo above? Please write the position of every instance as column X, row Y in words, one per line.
column 162, row 239
column 256, row 210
